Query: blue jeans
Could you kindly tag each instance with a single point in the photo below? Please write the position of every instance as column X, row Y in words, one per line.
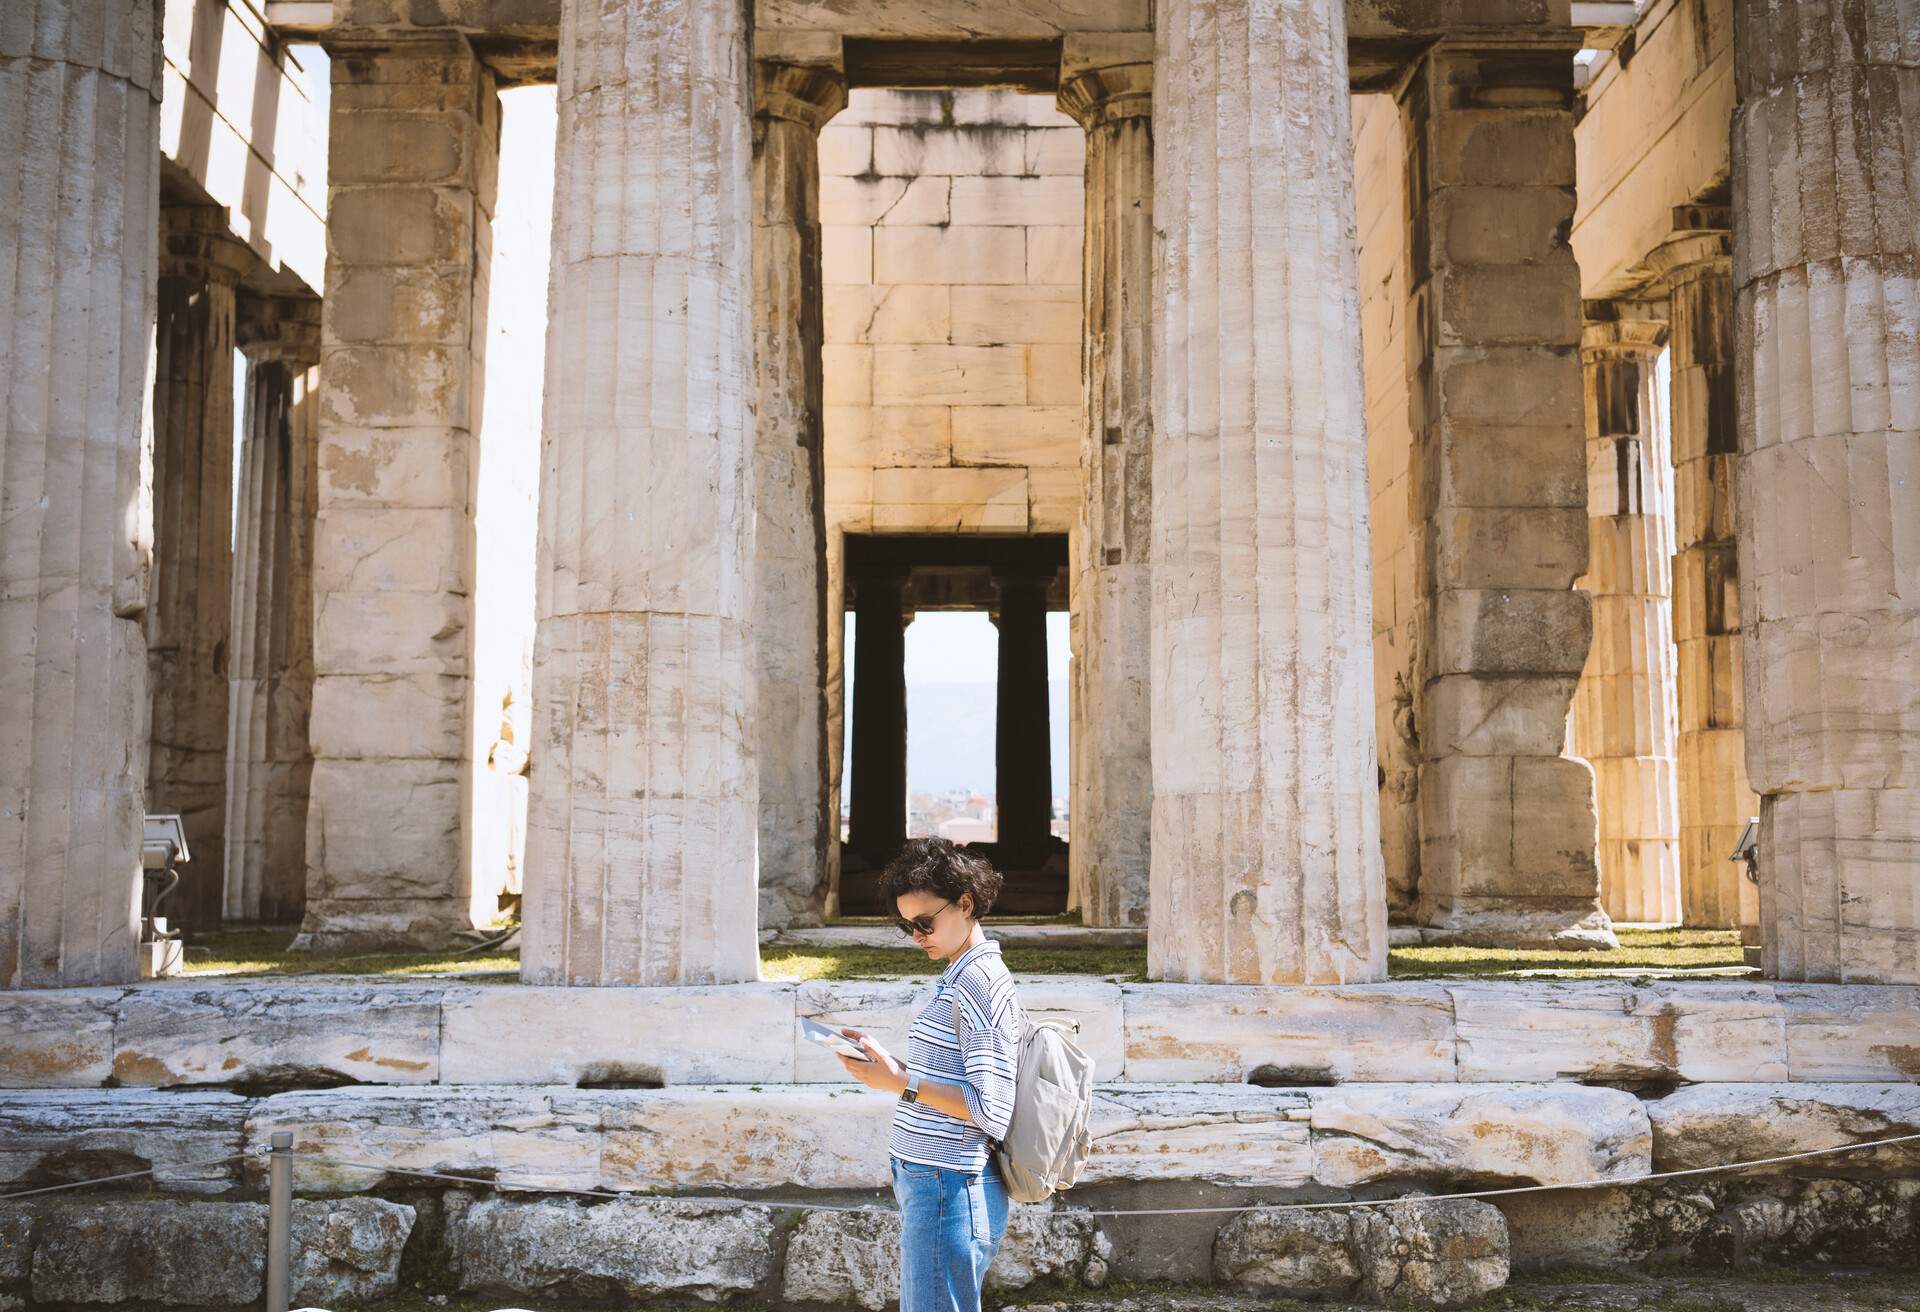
column 950, row 1225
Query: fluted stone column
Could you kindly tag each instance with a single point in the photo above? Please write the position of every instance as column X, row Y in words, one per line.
column 414, row 146
column 79, row 190
column 792, row 104
column 188, row 623
column 1623, row 711
column 1715, row 799
column 643, row 802
column 1266, row 861
column 1827, row 271
column 1507, row 827
column 1108, row 87
column 270, row 704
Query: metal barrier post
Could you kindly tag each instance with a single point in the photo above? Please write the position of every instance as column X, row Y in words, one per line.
column 279, row 1219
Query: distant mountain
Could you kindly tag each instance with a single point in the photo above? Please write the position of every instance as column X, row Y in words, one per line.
column 950, row 735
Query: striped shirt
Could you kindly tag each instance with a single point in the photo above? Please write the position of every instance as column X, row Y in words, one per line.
column 979, row 983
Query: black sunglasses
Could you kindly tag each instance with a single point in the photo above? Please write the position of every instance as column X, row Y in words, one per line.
column 920, row 924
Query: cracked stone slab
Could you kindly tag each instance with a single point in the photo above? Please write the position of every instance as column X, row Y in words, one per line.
column 1713, row 1124
column 1226, row 1134
column 543, row 1138
column 56, row 1038
column 694, row 1034
column 791, row 1136
column 280, row 1034
column 1182, row 1032
column 1602, row 1031
column 55, row 1136
column 1366, row 1134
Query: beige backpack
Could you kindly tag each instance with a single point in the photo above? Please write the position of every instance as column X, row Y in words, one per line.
column 1047, row 1139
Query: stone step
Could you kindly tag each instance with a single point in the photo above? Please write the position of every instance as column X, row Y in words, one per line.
column 1015, row 936
column 788, row 1139
column 302, row 1033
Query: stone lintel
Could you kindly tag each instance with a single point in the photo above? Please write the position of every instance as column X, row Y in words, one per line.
column 821, row 50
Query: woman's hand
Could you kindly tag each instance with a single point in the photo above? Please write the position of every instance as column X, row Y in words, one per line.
column 882, row 1073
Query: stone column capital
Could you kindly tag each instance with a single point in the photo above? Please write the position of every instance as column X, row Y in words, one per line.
column 808, row 94
column 196, row 243
column 279, row 329
column 1107, row 93
column 1622, row 330
column 1702, row 242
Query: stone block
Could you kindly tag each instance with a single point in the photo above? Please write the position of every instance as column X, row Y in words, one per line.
column 846, row 150
column 380, row 146
column 58, row 1136
column 1512, row 631
column 361, row 633
column 935, row 500
column 1480, row 465
column 847, row 374
column 1055, row 151
column 888, row 436
column 392, row 549
column 892, row 313
column 1012, row 18
column 1502, row 148
column 1178, row 1032
column 1419, row 1253
column 1500, row 225
column 1508, row 304
column 1225, row 1134
column 539, row 1138
column 1505, row 547
column 278, row 1035
column 1600, row 1031
column 629, row 1248
column 396, row 469
column 1028, row 202
column 1053, row 256
column 950, row 375
column 199, row 1255
column 853, row 1258
column 937, row 255
column 56, row 1039
column 717, row 1034
column 1053, row 376
column 409, row 226
column 995, row 315
column 1433, row 1135
column 870, row 199
column 888, row 1010
column 743, row 1137
column 384, row 386
column 399, row 715
column 1054, row 494
column 846, row 254
column 1513, row 386
column 1490, row 715
column 907, row 152
column 1851, row 1031
column 1713, row 1124
column 370, row 304
column 1495, row 829
column 1017, row 435
column 347, row 1250
column 390, row 829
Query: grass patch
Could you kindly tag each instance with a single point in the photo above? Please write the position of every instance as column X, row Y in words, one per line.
column 1652, row 952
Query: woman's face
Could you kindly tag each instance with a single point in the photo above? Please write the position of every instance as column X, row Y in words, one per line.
column 952, row 924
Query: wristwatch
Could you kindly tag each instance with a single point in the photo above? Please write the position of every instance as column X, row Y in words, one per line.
column 912, row 1092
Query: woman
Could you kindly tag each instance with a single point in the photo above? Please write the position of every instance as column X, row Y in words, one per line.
column 956, row 1095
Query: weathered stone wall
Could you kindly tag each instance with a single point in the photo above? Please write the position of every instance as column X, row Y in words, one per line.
column 952, row 228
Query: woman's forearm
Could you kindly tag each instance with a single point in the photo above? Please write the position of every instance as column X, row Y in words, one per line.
column 947, row 1098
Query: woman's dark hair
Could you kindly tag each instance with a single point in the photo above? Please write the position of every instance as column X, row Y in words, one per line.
column 935, row 865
